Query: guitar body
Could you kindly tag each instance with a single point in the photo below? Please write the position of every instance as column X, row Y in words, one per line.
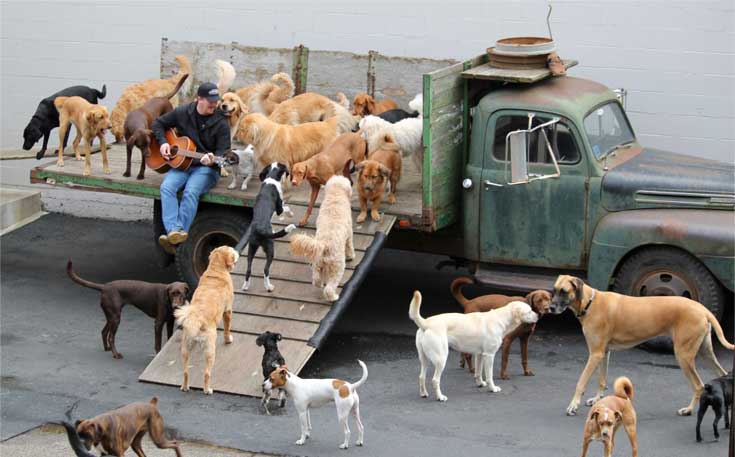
column 155, row 161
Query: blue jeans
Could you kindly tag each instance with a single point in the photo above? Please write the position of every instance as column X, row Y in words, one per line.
column 195, row 181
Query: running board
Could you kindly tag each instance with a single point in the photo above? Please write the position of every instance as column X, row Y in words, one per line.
column 518, row 281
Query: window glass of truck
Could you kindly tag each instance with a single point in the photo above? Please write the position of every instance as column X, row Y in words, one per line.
column 563, row 143
column 607, row 128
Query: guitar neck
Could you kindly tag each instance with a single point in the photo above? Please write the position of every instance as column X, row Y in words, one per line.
column 190, row 154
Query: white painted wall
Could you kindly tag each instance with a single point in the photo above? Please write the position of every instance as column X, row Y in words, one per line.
column 676, row 58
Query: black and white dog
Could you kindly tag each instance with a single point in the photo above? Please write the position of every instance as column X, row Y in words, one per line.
column 260, row 233
column 272, row 359
column 717, row 394
column 395, row 115
column 46, row 117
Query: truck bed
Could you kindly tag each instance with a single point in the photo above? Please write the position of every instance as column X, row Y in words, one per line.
column 406, row 209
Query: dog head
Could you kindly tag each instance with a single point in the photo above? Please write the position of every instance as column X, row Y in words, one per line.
column 540, row 301
column 372, row 176
column 363, row 104
column 339, row 183
column 225, row 256
column 231, row 158
column 277, row 378
column 268, row 339
column 177, row 293
column 522, row 312
column 31, row 135
column 275, row 171
column 568, row 291
column 141, row 139
column 90, row 432
column 606, row 420
column 250, row 128
column 232, row 106
column 98, row 119
column 299, row 172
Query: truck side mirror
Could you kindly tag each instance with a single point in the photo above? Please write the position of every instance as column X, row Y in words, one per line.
column 517, row 142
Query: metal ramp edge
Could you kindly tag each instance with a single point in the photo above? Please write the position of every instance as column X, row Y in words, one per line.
column 295, row 309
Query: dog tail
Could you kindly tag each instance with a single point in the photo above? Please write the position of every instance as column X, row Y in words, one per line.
column 75, row 441
column 102, row 93
column 362, row 380
column 343, row 100
column 306, row 246
column 718, row 331
column 456, row 290
column 176, row 88
column 244, row 240
column 225, row 75
column 284, row 81
column 623, row 388
column 386, row 141
column 59, row 102
column 78, row 280
column 414, row 309
column 279, row 234
column 184, row 69
column 184, row 318
column 154, row 401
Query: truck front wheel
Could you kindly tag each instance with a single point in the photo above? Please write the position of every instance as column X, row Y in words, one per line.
column 670, row 271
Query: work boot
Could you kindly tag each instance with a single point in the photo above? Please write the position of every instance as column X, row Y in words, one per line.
column 166, row 244
column 177, row 236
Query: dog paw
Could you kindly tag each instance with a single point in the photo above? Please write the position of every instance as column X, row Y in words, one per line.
column 504, row 376
column 359, row 443
column 245, row 285
column 86, row 172
column 107, row 171
column 391, row 199
column 290, row 228
column 184, row 388
column 231, row 186
column 424, row 394
column 344, row 446
column 229, row 339
column 244, row 187
column 141, row 177
column 375, row 217
column 208, row 391
column 593, row 400
column 361, row 218
column 300, row 442
column 59, row 163
column 495, row 389
column 481, row 383
column 527, row 373
column 684, row 411
column 572, row 410
column 117, row 355
column 270, row 287
column 126, row 174
column 442, row 398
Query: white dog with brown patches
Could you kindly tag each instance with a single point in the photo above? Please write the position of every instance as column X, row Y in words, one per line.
column 316, row 392
column 480, row 334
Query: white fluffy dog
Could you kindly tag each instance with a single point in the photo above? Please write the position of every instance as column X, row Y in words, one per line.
column 475, row 333
column 407, row 133
column 333, row 243
column 244, row 168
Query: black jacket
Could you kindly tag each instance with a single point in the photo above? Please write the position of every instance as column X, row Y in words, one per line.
column 213, row 136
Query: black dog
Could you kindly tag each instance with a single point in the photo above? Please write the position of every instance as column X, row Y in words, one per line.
column 260, row 232
column 272, row 359
column 76, row 443
column 395, row 115
column 156, row 300
column 718, row 394
column 46, row 117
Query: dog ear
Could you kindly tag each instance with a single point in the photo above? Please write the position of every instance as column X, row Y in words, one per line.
column 359, row 167
column 370, row 105
column 385, row 171
column 89, row 116
column 259, row 340
column 619, row 416
column 278, row 337
column 531, row 298
column 594, row 415
column 264, row 173
column 284, row 169
column 77, row 422
column 578, row 288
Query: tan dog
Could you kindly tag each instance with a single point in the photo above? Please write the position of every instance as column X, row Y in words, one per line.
column 289, row 144
column 313, row 107
column 263, row 97
column 539, row 301
column 383, row 165
column 608, row 414
column 611, row 321
column 90, row 120
column 234, row 110
column 364, row 104
column 116, row 431
column 212, row 302
column 133, row 97
column 347, row 149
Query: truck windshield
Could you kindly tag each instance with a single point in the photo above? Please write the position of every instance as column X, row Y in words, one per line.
column 607, row 128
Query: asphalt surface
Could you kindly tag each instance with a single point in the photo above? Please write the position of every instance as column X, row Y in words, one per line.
column 52, row 360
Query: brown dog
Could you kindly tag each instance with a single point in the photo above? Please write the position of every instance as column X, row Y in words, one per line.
column 116, row 431
column 364, row 104
column 539, row 300
column 137, row 127
column 608, row 414
column 383, row 165
column 611, row 321
column 212, row 302
column 90, row 121
column 347, row 149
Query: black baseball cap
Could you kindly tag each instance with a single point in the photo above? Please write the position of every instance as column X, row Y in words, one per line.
column 208, row 91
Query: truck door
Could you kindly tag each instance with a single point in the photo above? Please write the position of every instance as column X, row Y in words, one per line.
column 542, row 222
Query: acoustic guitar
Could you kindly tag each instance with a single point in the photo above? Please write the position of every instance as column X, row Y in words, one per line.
column 183, row 152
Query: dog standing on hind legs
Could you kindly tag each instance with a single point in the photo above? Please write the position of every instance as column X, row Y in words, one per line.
column 272, row 359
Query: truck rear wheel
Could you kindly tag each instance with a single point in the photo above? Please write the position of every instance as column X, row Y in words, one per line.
column 211, row 229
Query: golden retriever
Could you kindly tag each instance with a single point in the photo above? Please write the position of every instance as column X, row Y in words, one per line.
column 287, row 144
column 364, row 105
column 313, row 107
column 263, row 97
column 234, row 110
column 212, row 302
column 382, row 166
column 133, row 97
column 333, row 244
column 90, row 120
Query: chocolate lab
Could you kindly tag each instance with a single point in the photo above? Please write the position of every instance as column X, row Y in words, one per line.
column 137, row 127
column 116, row 431
column 156, row 300
column 717, row 394
column 46, row 117
column 540, row 300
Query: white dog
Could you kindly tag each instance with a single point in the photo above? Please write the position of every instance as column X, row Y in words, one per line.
column 475, row 333
column 243, row 169
column 332, row 245
column 407, row 133
column 316, row 392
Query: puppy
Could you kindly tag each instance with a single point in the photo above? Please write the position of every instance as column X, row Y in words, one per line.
column 46, row 117
column 115, row 431
column 90, row 121
column 272, row 359
column 477, row 333
column 717, row 394
column 407, row 134
column 263, row 97
column 365, row 105
column 133, row 97
column 333, row 242
column 240, row 163
column 347, row 149
column 608, row 414
column 316, row 392
column 313, row 107
column 212, row 302
column 137, row 127
column 260, row 232
column 395, row 115
column 383, row 165
column 540, row 301
column 158, row 301
column 288, row 144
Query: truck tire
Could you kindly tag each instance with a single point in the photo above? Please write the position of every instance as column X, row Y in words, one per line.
column 211, row 229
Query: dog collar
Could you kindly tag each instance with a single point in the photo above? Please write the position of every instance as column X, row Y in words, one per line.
column 587, row 306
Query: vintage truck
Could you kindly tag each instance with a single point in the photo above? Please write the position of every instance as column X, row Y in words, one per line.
column 524, row 176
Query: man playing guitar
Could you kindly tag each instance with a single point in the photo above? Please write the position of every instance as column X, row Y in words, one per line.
column 208, row 129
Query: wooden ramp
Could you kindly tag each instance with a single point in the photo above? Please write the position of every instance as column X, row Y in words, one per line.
column 295, row 309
